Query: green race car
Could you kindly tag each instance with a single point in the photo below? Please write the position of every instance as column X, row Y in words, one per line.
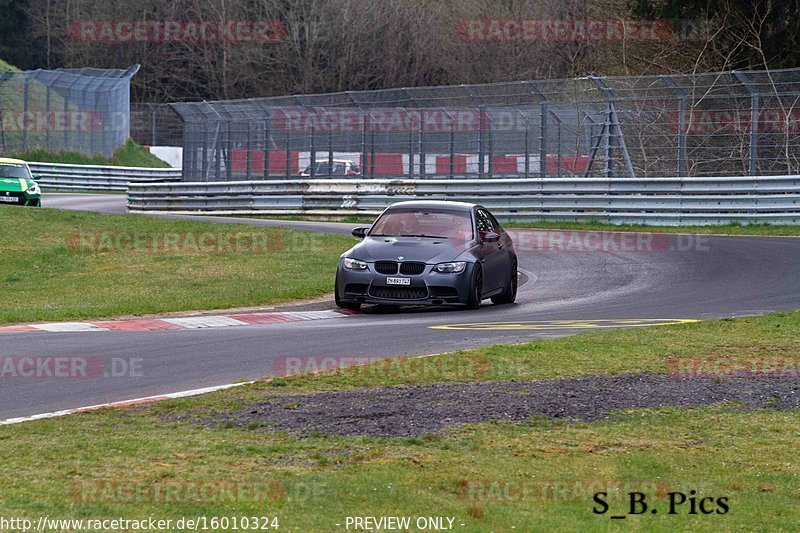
column 17, row 185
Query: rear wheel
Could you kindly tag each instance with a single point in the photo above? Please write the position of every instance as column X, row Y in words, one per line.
column 476, row 288
column 509, row 294
column 342, row 304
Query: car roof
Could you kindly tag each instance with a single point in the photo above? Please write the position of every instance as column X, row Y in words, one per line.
column 434, row 204
column 10, row 161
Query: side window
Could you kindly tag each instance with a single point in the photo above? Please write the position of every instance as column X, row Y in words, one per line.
column 497, row 227
column 483, row 221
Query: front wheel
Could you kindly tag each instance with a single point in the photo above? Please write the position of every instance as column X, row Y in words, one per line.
column 476, row 288
column 342, row 304
column 509, row 294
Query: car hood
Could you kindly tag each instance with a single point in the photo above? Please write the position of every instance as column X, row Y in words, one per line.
column 13, row 185
column 422, row 249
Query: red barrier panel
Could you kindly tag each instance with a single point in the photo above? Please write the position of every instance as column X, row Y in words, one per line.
column 504, row 164
column 569, row 164
column 443, row 164
column 385, row 165
column 277, row 162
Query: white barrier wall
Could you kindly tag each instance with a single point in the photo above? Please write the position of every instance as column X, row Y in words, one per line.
column 171, row 155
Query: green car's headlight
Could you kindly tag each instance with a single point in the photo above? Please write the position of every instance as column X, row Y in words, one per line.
column 354, row 264
column 33, row 190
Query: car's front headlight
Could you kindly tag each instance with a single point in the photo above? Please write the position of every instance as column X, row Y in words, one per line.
column 450, row 268
column 33, row 190
column 354, row 264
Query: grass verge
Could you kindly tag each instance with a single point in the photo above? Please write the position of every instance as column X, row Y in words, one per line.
column 129, row 154
column 537, row 474
column 60, row 265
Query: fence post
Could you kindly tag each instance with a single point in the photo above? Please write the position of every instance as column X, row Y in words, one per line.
column 452, row 166
column 481, row 128
column 330, row 142
column 229, row 149
column 527, row 145
column 153, row 125
column 413, row 100
column 614, row 129
column 678, row 90
column 558, row 141
column 26, row 90
column 288, row 170
column 543, row 129
column 422, row 163
column 754, row 112
column 47, row 114
column 266, row 148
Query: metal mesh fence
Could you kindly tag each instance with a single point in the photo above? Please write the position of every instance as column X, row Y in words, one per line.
column 83, row 110
column 156, row 125
column 709, row 124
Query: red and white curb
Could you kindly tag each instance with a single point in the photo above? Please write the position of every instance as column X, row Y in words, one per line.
column 192, row 322
column 126, row 403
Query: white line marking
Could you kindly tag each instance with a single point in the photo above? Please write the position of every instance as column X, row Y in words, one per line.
column 205, row 322
column 67, row 326
column 170, row 396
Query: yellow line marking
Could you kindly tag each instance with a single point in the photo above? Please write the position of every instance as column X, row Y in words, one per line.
column 539, row 325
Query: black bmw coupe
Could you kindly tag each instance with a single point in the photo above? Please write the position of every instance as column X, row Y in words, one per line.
column 429, row 253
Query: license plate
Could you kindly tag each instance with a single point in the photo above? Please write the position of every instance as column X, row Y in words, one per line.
column 9, row 199
column 398, row 281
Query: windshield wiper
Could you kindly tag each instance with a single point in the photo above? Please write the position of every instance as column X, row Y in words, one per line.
column 427, row 236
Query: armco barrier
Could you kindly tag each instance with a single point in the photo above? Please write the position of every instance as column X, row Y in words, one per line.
column 674, row 201
column 56, row 176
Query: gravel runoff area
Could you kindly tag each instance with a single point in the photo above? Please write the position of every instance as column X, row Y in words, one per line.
column 410, row 411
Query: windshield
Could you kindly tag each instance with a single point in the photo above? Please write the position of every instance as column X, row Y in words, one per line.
column 455, row 225
column 8, row 170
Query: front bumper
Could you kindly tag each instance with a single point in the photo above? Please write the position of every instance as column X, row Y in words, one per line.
column 20, row 198
column 427, row 288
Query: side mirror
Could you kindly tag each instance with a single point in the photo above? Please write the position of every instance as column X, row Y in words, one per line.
column 491, row 237
column 360, row 232
column 37, row 176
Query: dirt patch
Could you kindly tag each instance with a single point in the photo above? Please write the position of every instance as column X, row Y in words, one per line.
column 410, row 411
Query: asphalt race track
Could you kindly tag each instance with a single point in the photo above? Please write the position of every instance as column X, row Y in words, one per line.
column 566, row 289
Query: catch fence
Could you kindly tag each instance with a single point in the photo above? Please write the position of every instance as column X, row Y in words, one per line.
column 83, row 110
column 709, row 124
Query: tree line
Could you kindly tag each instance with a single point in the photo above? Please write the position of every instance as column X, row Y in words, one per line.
column 314, row 46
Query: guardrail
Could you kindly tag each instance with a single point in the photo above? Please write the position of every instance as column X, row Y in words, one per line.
column 57, row 176
column 672, row 201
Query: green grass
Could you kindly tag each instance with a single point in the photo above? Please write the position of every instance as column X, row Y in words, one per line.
column 774, row 338
column 128, row 155
column 475, row 473
column 60, row 265
column 7, row 66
